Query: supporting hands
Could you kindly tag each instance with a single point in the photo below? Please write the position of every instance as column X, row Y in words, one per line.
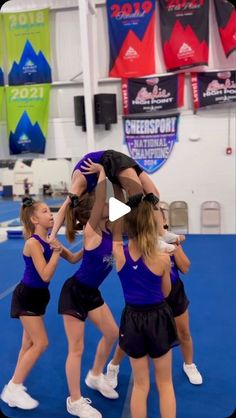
column 91, row 167
column 56, row 246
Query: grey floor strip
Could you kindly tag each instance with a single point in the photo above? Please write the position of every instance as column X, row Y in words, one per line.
column 8, row 291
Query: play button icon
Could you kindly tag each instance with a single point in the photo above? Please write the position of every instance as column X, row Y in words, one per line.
column 117, row 209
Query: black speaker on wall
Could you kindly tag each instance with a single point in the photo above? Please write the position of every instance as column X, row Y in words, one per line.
column 79, row 110
column 105, row 109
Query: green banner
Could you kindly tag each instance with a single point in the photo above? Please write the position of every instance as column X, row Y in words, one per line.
column 1, row 54
column 1, row 100
column 28, row 47
column 27, row 118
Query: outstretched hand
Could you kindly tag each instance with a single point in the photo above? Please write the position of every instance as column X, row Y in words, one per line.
column 91, row 167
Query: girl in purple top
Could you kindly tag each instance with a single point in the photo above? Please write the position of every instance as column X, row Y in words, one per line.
column 147, row 328
column 80, row 298
column 31, row 296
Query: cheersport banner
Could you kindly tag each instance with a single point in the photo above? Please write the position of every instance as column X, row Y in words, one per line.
column 1, row 54
column 141, row 95
column 131, row 34
column 27, row 118
column 184, row 32
column 213, row 87
column 151, row 140
column 28, row 47
column 226, row 18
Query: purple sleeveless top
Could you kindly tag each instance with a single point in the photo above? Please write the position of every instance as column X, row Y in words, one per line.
column 90, row 178
column 174, row 271
column 31, row 277
column 96, row 263
column 140, row 285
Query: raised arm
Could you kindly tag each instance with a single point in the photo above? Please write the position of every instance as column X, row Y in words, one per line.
column 59, row 219
column 78, row 186
column 100, row 195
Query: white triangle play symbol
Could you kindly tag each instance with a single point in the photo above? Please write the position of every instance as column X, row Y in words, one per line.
column 117, row 209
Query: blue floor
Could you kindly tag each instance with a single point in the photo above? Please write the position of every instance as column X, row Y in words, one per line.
column 211, row 288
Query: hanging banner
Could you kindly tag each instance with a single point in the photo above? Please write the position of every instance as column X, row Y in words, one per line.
column 142, row 95
column 1, row 54
column 226, row 19
column 131, row 36
column 27, row 118
column 184, row 32
column 151, row 140
column 1, row 100
column 213, row 88
column 28, row 47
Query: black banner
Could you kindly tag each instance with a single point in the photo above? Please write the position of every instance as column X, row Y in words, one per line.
column 142, row 95
column 213, row 87
column 185, row 33
column 226, row 19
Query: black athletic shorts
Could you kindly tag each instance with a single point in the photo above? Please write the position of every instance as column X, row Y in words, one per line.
column 29, row 301
column 177, row 298
column 77, row 300
column 114, row 162
column 148, row 330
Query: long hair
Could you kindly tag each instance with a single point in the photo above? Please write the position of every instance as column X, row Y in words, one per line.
column 78, row 214
column 141, row 224
column 27, row 211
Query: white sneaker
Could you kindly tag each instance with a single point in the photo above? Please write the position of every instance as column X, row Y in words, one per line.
column 193, row 374
column 82, row 408
column 170, row 237
column 164, row 247
column 16, row 396
column 101, row 384
column 112, row 374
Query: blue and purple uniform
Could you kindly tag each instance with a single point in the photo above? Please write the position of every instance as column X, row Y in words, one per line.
column 80, row 293
column 96, row 263
column 31, row 295
column 31, row 277
column 90, row 178
column 174, row 271
column 140, row 285
column 112, row 161
column 147, row 326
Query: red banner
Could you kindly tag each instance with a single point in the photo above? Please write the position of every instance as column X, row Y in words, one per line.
column 131, row 27
column 184, row 32
column 226, row 19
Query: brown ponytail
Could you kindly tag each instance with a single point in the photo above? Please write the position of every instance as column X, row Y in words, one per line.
column 141, row 223
column 27, row 211
column 76, row 217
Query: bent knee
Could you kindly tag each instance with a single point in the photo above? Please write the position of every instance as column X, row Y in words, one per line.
column 184, row 336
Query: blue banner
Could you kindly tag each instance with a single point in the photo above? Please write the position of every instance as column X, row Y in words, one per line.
column 150, row 140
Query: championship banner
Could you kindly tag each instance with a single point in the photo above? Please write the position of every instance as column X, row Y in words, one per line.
column 27, row 118
column 151, row 140
column 1, row 54
column 226, row 19
column 184, row 32
column 141, row 95
column 1, row 100
column 131, row 36
column 213, row 88
column 28, row 47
